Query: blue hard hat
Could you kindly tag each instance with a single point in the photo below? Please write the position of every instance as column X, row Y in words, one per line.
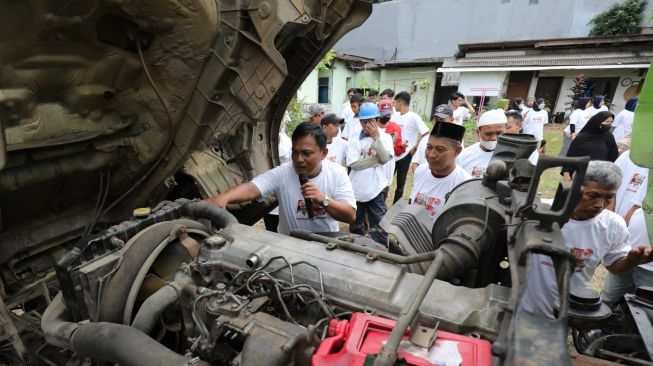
column 368, row 110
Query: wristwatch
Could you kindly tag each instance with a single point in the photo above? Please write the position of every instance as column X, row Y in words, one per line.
column 325, row 202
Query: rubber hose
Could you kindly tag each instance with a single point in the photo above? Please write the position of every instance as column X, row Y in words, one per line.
column 111, row 342
column 154, row 306
column 219, row 217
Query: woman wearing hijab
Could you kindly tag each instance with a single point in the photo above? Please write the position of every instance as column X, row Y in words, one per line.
column 594, row 140
column 597, row 106
column 623, row 123
column 577, row 120
column 517, row 104
column 535, row 120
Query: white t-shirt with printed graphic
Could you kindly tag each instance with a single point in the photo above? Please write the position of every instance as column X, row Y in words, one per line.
column 602, row 239
column 337, row 151
column 369, row 182
column 412, row 127
column 534, row 123
column 430, row 192
column 632, row 178
column 474, row 160
column 283, row 182
column 460, row 115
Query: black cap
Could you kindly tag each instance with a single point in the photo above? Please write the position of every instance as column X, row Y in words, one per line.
column 331, row 118
column 448, row 130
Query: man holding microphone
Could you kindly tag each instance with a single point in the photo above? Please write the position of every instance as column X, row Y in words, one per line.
column 314, row 194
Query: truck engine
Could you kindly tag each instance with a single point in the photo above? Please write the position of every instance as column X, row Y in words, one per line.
column 185, row 283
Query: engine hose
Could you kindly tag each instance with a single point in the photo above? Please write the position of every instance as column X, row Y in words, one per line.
column 157, row 303
column 110, row 342
column 460, row 251
column 219, row 217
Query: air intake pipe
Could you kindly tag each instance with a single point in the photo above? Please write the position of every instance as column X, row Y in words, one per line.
column 117, row 343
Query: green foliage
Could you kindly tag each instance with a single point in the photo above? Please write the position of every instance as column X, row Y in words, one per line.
column 296, row 115
column 578, row 89
column 325, row 62
column 620, row 20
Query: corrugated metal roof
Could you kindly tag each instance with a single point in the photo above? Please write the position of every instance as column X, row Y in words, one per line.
column 558, row 58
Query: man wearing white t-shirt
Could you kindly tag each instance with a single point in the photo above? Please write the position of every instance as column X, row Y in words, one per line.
column 413, row 130
column 618, row 285
column 475, row 159
column 443, row 113
column 514, row 125
column 328, row 187
column 634, row 178
column 352, row 125
column 347, row 113
column 433, row 180
column 536, row 119
column 336, row 146
column 366, row 156
column 593, row 235
column 460, row 113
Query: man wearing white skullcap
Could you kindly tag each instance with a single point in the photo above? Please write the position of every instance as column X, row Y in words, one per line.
column 475, row 158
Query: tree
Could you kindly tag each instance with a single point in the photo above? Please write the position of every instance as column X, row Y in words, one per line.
column 621, row 19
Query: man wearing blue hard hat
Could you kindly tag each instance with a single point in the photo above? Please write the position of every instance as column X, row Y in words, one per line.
column 367, row 154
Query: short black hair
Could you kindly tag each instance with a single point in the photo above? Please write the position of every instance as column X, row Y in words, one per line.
column 403, row 96
column 456, row 95
column 515, row 114
column 389, row 92
column 309, row 128
column 356, row 98
column 351, row 90
column 373, row 93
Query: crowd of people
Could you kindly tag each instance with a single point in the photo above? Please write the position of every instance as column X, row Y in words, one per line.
column 340, row 169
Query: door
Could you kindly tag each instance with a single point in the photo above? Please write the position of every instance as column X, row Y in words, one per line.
column 549, row 88
column 518, row 84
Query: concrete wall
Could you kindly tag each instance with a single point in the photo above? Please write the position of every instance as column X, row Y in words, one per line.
column 307, row 92
column 418, row 81
column 415, row 29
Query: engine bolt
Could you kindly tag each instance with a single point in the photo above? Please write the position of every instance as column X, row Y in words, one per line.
column 371, row 257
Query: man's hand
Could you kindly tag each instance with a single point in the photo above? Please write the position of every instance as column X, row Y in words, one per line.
column 372, row 130
column 573, row 135
column 405, row 144
column 394, row 137
column 640, row 255
column 218, row 200
column 312, row 192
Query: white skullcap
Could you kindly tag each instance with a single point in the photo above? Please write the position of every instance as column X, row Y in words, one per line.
column 492, row 117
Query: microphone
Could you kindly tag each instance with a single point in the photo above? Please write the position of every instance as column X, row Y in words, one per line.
column 303, row 179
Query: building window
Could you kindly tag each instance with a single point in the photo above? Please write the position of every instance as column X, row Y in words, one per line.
column 323, row 90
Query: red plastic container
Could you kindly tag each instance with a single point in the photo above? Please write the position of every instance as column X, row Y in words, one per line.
column 349, row 342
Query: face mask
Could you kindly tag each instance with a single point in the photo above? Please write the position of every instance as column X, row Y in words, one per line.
column 489, row 145
column 541, row 106
column 521, row 106
column 605, row 128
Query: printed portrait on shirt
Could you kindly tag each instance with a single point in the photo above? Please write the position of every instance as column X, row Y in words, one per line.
column 430, row 203
column 637, row 180
column 581, row 255
column 319, row 213
column 477, row 172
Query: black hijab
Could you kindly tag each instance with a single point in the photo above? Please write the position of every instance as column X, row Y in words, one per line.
column 594, row 142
